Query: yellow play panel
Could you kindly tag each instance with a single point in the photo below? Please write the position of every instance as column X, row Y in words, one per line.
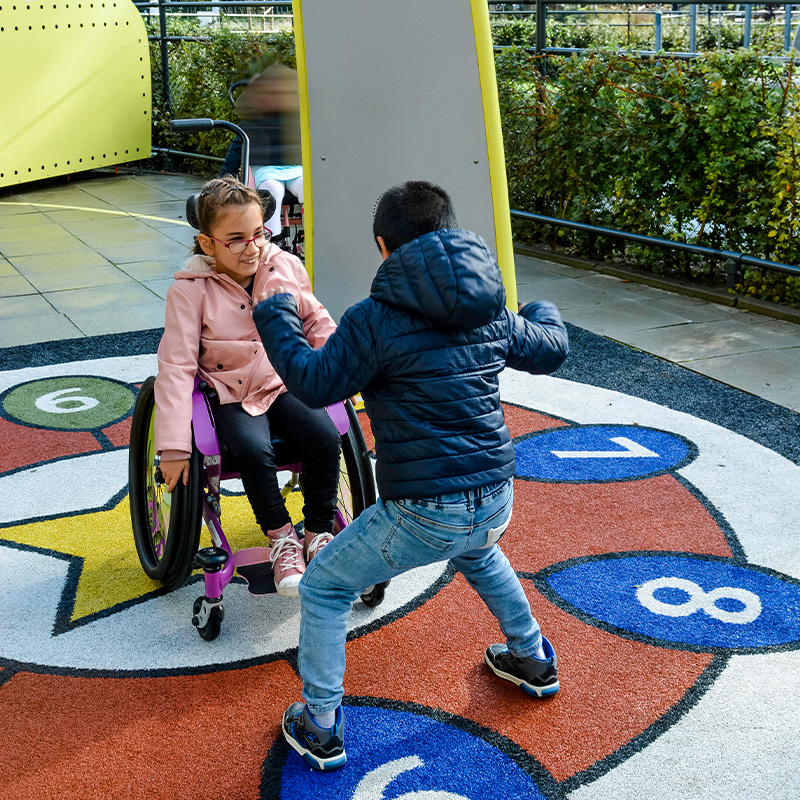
column 75, row 86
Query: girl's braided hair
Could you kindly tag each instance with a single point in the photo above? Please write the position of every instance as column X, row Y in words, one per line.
column 216, row 196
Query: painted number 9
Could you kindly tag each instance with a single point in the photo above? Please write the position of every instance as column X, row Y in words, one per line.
column 58, row 402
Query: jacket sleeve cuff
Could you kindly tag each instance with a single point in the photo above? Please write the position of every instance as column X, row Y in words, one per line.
column 175, row 455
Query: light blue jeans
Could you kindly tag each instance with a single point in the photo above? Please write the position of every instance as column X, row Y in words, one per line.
column 389, row 539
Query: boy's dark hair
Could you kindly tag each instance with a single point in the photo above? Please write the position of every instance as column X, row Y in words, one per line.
column 410, row 210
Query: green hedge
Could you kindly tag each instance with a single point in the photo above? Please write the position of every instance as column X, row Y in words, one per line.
column 200, row 74
column 704, row 151
column 613, row 32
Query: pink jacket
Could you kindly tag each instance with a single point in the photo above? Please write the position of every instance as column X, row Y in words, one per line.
column 209, row 330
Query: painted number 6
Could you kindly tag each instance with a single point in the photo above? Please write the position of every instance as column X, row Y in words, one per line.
column 59, row 403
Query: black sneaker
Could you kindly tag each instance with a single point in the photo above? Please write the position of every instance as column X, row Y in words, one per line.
column 536, row 676
column 322, row 748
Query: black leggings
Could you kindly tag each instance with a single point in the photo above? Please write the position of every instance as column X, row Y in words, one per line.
column 311, row 438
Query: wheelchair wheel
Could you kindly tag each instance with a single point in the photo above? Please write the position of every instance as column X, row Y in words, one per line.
column 356, row 482
column 166, row 527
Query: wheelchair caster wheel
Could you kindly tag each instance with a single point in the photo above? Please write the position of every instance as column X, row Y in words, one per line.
column 207, row 617
column 373, row 595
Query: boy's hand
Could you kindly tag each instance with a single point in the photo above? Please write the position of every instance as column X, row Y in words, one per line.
column 173, row 471
column 261, row 296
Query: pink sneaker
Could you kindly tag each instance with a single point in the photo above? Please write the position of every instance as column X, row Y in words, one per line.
column 313, row 543
column 287, row 560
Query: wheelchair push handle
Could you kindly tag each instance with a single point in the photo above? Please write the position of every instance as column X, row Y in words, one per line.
column 205, row 124
column 192, row 125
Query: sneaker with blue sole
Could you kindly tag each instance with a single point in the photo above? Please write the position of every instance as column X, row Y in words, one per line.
column 536, row 676
column 322, row 748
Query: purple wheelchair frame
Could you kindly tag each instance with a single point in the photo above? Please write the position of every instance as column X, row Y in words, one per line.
column 219, row 561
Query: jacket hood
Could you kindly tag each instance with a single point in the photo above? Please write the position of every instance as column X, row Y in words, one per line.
column 198, row 265
column 448, row 276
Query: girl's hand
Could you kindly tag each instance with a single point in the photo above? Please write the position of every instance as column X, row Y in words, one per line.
column 173, row 471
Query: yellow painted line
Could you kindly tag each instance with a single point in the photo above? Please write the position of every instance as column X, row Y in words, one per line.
column 97, row 210
column 494, row 145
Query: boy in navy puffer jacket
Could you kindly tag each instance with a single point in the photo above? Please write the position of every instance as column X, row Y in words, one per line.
column 424, row 349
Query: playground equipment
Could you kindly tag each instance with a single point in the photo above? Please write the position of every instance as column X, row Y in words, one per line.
column 76, row 88
column 391, row 92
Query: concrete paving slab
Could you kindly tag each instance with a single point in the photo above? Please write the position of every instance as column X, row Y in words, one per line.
column 565, row 293
column 28, row 219
column 160, row 287
column 30, row 319
column 172, row 184
column 58, row 280
column 57, row 241
column 182, row 235
column 11, row 206
column 47, row 229
column 127, row 253
column 155, row 270
column 704, row 340
column 615, row 319
column 110, row 309
column 107, row 224
column 7, row 269
column 128, row 192
column 169, row 211
column 67, row 213
column 70, row 261
column 774, row 375
column 15, row 285
column 100, row 240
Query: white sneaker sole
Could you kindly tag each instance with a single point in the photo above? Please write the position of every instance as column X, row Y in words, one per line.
column 535, row 691
column 288, row 586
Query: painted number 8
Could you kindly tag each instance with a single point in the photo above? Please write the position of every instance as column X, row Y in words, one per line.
column 700, row 600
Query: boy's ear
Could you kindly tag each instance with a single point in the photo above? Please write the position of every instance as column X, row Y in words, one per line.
column 206, row 244
column 385, row 252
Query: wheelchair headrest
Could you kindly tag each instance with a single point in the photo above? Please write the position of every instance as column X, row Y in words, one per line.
column 191, row 210
column 193, row 218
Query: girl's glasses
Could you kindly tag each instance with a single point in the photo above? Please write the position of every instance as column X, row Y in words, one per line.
column 238, row 246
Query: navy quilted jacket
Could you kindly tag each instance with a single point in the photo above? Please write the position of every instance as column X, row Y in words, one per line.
column 424, row 349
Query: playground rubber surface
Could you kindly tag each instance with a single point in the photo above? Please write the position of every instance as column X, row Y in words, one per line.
column 656, row 532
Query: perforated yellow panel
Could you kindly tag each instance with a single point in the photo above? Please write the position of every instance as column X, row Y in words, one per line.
column 74, row 88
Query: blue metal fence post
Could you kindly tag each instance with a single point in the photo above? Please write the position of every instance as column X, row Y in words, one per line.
column 748, row 24
column 162, row 30
column 541, row 29
column 693, row 29
column 658, row 31
column 787, row 26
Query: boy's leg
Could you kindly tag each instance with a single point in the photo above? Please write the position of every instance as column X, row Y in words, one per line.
column 332, row 583
column 528, row 659
column 490, row 574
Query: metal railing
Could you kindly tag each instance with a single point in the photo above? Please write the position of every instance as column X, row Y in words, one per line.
column 538, row 10
column 733, row 261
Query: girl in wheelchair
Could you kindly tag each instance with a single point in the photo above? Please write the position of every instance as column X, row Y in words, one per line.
column 209, row 332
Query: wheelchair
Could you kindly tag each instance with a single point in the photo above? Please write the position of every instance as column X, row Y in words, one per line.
column 166, row 527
